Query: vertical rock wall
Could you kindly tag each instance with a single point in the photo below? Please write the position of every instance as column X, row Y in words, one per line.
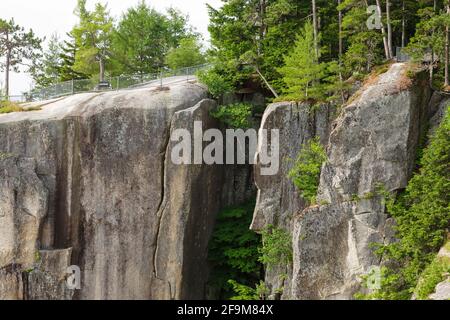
column 87, row 181
column 278, row 200
column 372, row 142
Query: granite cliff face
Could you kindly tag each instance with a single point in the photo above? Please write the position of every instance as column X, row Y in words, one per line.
column 372, row 142
column 278, row 199
column 87, row 181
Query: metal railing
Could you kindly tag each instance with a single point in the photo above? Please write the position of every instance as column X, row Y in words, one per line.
column 72, row 87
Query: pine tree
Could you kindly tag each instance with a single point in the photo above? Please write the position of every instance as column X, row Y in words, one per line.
column 67, row 60
column 302, row 72
column 17, row 47
column 363, row 45
column 431, row 40
column 46, row 69
column 93, row 38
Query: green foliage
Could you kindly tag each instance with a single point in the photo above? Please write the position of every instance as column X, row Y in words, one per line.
column 242, row 292
column 143, row 38
column 233, row 251
column 18, row 48
column 68, row 51
column 93, row 36
column 237, row 115
column 307, row 167
column 429, row 39
column 265, row 30
column 8, row 107
column 422, row 215
column 434, row 273
column 46, row 69
column 187, row 54
column 247, row 293
column 277, row 247
column 302, row 73
column 216, row 83
column 364, row 45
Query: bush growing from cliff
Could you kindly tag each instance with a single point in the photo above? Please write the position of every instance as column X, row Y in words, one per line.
column 422, row 215
column 277, row 247
column 236, row 116
column 233, row 251
column 307, row 167
column 243, row 292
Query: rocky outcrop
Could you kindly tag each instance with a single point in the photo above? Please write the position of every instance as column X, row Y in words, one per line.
column 278, row 199
column 87, row 181
column 372, row 142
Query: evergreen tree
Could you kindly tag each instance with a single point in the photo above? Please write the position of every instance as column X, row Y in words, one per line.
column 93, row 38
column 67, row 60
column 45, row 71
column 17, row 47
column 302, row 72
column 430, row 42
column 188, row 54
column 144, row 37
column 363, row 45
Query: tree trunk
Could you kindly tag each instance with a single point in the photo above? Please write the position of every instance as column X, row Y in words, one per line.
column 316, row 29
column 341, row 45
column 446, row 82
column 102, row 70
column 341, row 50
column 262, row 27
column 7, row 66
column 432, row 51
column 275, row 94
column 383, row 32
column 389, row 29
column 403, row 25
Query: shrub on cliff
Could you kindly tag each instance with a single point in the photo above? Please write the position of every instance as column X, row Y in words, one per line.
column 236, row 116
column 307, row 167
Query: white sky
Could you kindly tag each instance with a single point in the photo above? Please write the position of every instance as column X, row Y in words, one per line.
column 46, row 17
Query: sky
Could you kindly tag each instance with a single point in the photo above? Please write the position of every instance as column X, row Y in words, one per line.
column 46, row 17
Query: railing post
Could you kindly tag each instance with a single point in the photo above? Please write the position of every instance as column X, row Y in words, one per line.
column 161, row 78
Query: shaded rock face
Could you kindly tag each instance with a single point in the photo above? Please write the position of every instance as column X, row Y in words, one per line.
column 374, row 142
column 87, row 181
column 278, row 200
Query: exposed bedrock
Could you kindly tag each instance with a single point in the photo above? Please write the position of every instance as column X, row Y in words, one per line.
column 372, row 142
column 278, row 200
column 87, row 181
